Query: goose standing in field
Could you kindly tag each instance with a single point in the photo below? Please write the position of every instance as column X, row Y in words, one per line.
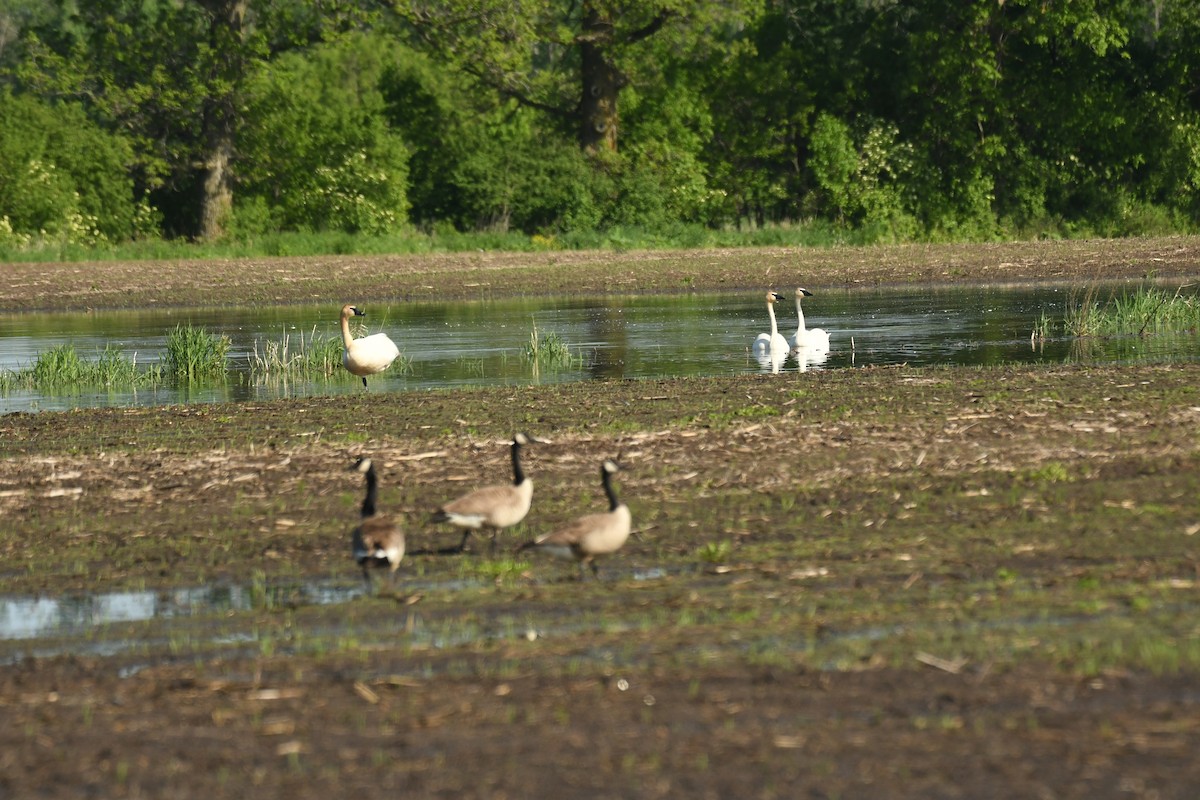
column 370, row 354
column 770, row 343
column 493, row 507
column 814, row 340
column 377, row 541
column 593, row 535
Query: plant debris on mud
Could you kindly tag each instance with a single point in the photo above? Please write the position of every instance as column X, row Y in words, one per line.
column 873, row 582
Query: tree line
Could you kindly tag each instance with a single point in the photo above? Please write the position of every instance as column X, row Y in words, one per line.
column 908, row 119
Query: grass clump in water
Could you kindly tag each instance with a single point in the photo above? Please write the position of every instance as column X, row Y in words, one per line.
column 1149, row 310
column 61, row 367
column 547, row 349
column 317, row 356
column 58, row 366
column 194, row 353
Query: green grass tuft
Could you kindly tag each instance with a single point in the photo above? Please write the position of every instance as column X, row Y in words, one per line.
column 317, row 356
column 194, row 353
column 548, row 349
column 1149, row 310
column 61, row 368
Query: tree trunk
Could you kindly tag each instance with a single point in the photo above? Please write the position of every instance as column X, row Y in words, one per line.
column 601, row 84
column 227, row 35
column 216, row 201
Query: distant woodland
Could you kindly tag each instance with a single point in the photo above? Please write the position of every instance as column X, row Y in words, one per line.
column 907, row 119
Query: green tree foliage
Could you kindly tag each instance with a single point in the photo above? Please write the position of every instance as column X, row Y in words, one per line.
column 139, row 68
column 570, row 60
column 62, row 176
column 316, row 150
column 887, row 119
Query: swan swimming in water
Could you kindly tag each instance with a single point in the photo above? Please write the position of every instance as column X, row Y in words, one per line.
column 366, row 356
column 768, row 344
column 813, row 340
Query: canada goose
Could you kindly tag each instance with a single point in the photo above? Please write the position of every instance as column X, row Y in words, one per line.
column 812, row 339
column 378, row 540
column 368, row 355
column 770, row 343
column 592, row 535
column 494, row 507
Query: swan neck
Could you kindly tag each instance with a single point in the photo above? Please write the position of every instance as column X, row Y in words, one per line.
column 800, row 314
column 771, row 314
column 346, row 339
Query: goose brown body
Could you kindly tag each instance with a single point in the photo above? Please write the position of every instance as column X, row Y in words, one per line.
column 495, row 507
column 592, row 535
column 377, row 541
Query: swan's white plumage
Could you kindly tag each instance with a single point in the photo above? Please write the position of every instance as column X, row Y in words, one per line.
column 369, row 355
column 814, row 340
column 773, row 342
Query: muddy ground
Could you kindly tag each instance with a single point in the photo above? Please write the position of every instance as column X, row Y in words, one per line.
column 876, row 582
column 478, row 275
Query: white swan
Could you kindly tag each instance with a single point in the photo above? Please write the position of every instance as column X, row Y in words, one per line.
column 774, row 342
column 814, row 340
column 366, row 356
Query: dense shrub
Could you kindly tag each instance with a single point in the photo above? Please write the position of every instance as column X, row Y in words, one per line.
column 61, row 176
column 317, row 153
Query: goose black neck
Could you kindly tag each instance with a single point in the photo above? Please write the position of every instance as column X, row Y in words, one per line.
column 518, row 473
column 368, row 505
column 606, row 479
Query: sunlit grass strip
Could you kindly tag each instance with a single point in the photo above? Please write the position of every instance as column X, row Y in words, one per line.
column 194, row 353
column 1149, row 310
column 61, row 367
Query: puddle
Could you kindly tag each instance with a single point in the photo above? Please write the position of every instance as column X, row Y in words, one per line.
column 35, row 617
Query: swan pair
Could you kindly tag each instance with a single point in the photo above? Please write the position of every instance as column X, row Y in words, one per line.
column 808, row 342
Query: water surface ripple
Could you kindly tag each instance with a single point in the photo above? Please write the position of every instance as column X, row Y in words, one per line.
column 484, row 342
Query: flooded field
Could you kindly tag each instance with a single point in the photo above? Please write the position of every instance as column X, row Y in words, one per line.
column 878, row 579
column 472, row 343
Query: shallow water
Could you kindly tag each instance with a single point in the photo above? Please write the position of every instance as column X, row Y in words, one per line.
column 483, row 342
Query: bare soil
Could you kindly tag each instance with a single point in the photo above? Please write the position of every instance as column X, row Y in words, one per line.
column 338, row 279
column 884, row 582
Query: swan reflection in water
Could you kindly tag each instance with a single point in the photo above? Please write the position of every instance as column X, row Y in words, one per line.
column 806, row 359
column 809, row 357
column 771, row 361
